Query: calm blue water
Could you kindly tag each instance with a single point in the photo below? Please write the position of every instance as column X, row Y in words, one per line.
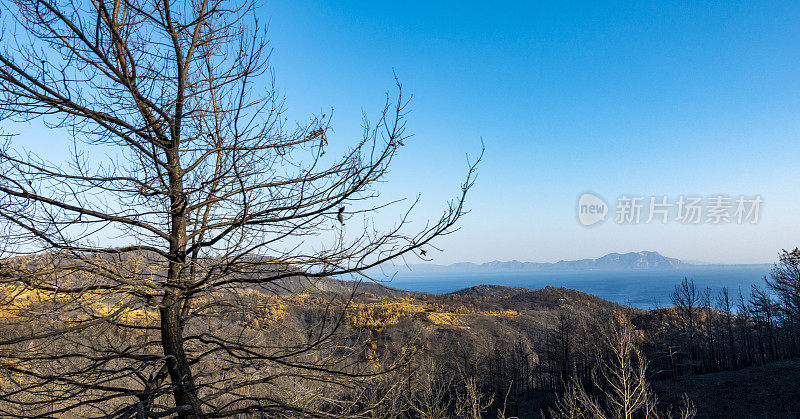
column 641, row 289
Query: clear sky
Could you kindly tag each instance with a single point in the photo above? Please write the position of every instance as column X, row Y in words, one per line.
column 637, row 98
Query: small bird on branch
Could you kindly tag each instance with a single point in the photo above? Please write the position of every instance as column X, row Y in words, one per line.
column 340, row 215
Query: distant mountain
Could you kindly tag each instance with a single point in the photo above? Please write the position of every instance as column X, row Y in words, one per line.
column 611, row 261
column 638, row 260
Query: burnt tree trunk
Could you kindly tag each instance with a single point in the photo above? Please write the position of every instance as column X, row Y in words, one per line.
column 184, row 390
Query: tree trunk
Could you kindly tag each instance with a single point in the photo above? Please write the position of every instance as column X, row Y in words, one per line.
column 184, row 391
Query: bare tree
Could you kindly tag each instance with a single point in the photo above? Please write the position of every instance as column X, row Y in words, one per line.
column 784, row 281
column 472, row 404
column 709, row 319
column 186, row 208
column 686, row 299
column 625, row 372
column 725, row 305
column 619, row 386
column 562, row 348
column 764, row 311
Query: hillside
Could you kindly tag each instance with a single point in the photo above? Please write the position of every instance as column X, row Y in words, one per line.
column 771, row 390
column 505, row 339
column 489, row 291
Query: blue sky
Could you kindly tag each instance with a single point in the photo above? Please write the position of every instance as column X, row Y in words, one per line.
column 637, row 98
column 646, row 98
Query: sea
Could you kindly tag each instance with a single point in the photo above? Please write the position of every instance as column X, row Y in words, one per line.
column 643, row 289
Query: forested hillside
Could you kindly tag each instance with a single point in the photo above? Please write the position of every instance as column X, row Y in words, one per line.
column 482, row 351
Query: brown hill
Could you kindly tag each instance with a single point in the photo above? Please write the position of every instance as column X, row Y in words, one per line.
column 764, row 391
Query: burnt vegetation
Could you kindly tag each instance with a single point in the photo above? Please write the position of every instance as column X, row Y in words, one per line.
column 486, row 351
column 181, row 261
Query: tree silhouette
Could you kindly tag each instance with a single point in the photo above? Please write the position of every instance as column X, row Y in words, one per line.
column 189, row 207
